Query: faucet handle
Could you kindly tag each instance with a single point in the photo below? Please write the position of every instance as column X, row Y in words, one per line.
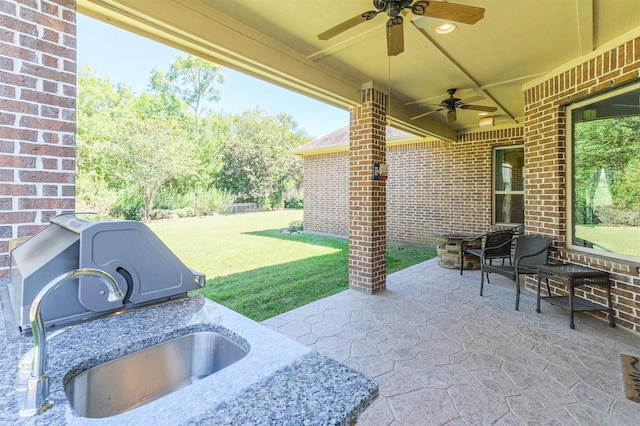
column 36, row 396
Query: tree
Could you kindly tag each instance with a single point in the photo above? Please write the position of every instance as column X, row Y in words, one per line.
column 258, row 164
column 98, row 95
column 113, row 168
column 610, row 145
column 152, row 152
column 100, row 105
column 191, row 80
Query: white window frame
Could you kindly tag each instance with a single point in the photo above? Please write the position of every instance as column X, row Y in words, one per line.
column 495, row 193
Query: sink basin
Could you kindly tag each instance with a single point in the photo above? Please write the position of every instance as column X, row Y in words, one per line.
column 140, row 377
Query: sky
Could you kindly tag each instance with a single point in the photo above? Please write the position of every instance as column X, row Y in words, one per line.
column 126, row 57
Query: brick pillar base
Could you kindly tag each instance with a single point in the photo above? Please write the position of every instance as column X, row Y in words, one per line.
column 367, row 197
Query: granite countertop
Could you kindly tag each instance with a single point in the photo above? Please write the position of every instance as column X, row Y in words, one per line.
column 279, row 382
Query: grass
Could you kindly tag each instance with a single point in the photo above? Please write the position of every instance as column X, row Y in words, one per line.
column 617, row 239
column 255, row 269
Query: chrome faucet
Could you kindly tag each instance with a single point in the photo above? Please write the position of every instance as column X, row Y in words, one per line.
column 36, row 397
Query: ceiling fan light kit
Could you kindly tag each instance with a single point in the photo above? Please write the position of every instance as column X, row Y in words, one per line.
column 393, row 8
column 444, row 11
column 451, row 104
column 446, row 28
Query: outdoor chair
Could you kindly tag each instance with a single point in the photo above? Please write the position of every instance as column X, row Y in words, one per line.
column 529, row 252
column 494, row 246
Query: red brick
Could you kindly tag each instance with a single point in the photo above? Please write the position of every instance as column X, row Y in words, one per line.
column 17, row 217
column 50, row 87
column 50, row 163
column 45, row 203
column 7, row 119
column 18, row 134
column 47, row 150
column 47, row 98
column 29, row 230
column 16, row 162
column 16, row 79
column 42, row 176
column 17, row 189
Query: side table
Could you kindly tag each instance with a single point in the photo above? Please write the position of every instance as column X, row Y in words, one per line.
column 572, row 276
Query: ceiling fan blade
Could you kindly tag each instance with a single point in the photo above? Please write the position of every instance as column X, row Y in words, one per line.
column 350, row 23
column 481, row 108
column 472, row 99
column 395, row 36
column 452, row 116
column 426, row 113
column 449, row 11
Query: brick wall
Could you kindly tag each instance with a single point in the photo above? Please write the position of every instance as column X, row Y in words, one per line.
column 433, row 188
column 37, row 116
column 437, row 188
column 545, row 130
column 326, row 187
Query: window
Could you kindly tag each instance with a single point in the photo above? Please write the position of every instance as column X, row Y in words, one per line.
column 508, row 185
column 604, row 174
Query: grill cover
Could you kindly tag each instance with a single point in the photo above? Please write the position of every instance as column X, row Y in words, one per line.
column 144, row 267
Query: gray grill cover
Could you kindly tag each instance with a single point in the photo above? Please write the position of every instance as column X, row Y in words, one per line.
column 144, row 267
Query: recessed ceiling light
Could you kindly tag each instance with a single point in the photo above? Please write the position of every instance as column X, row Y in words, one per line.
column 445, row 28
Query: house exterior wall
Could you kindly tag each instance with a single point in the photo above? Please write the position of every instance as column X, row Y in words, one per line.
column 37, row 116
column 326, row 198
column 438, row 188
column 545, row 154
column 430, row 190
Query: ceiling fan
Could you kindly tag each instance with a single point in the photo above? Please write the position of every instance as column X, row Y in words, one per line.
column 393, row 8
column 451, row 104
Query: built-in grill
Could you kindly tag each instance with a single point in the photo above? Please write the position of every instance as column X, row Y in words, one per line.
column 143, row 266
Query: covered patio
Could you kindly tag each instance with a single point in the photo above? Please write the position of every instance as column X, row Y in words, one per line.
column 444, row 355
column 441, row 353
column 531, row 73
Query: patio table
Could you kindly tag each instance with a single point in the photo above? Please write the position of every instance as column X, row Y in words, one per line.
column 572, row 276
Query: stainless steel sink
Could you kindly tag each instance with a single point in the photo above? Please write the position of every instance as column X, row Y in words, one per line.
column 135, row 379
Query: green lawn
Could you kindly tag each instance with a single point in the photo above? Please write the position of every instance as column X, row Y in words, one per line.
column 255, row 269
column 617, row 239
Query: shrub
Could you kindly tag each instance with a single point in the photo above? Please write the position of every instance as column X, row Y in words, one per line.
column 127, row 212
column 93, row 195
column 293, row 203
column 129, row 205
column 295, row 226
column 212, row 201
column 611, row 216
column 185, row 212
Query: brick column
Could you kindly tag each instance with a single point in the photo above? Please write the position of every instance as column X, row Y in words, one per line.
column 37, row 116
column 367, row 197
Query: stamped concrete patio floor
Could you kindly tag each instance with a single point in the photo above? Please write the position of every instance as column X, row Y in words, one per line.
column 443, row 355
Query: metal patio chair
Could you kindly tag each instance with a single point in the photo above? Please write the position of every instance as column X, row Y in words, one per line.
column 494, row 246
column 529, row 252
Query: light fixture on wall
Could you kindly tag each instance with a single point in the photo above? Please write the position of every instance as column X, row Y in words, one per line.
column 487, row 122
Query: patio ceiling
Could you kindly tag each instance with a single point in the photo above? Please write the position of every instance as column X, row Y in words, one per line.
column 516, row 42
